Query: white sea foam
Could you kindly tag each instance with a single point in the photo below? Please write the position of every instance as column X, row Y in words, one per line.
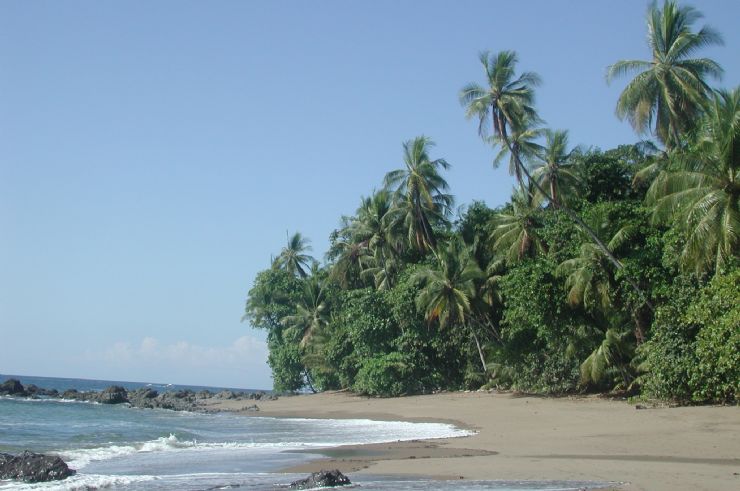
column 47, row 399
column 339, row 432
column 78, row 459
column 79, row 482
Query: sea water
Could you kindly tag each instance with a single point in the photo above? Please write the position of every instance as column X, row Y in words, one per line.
column 122, row 448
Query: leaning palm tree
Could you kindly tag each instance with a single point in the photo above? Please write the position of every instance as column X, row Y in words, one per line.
column 702, row 193
column 515, row 234
column 293, row 257
column 667, row 94
column 511, row 111
column 449, row 287
column 554, row 172
column 421, row 192
column 523, row 136
column 504, row 99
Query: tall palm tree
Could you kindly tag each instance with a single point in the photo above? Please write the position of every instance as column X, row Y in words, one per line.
column 448, row 288
column 504, row 100
column 702, row 193
column 515, row 234
column 293, row 257
column 667, row 94
column 512, row 110
column 421, row 192
column 554, row 173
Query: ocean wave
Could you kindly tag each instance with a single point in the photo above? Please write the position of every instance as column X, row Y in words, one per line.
column 78, row 459
column 79, row 482
column 47, row 399
column 351, row 432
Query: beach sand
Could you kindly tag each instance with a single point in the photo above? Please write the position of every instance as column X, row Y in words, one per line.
column 534, row 438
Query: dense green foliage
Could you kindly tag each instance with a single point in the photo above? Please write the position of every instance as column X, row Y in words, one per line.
column 605, row 270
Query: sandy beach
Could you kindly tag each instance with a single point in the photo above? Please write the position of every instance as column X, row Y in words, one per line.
column 534, row 438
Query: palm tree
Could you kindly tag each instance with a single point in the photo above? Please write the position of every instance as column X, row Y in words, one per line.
column 293, row 257
column 523, row 136
column 448, row 288
column 515, row 234
column 615, row 352
column 702, row 193
column 421, row 192
column 378, row 226
column 348, row 261
column 668, row 92
column 311, row 313
column 554, row 172
column 588, row 278
column 504, row 100
column 511, row 108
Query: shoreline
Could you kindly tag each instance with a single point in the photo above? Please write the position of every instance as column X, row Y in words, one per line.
column 531, row 438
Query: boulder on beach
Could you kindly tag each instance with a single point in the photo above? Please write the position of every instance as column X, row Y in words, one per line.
column 322, row 479
column 33, row 467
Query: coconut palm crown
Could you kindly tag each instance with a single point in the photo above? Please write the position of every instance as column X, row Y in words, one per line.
column 293, row 257
column 668, row 92
column 504, row 100
column 702, row 192
column 421, row 192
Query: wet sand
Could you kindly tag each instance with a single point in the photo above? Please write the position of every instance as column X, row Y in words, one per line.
column 534, row 438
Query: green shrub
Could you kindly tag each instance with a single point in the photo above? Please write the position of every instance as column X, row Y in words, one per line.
column 694, row 350
column 716, row 375
column 385, row 376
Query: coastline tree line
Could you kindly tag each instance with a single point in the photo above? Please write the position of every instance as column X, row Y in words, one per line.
column 612, row 270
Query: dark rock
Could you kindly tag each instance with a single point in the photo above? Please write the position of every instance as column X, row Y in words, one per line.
column 253, row 407
column 204, row 394
column 226, row 394
column 71, row 394
column 183, row 394
column 143, row 393
column 12, row 387
column 322, row 479
column 33, row 467
column 115, row 394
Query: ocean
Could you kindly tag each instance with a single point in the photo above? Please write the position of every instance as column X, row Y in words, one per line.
column 122, row 448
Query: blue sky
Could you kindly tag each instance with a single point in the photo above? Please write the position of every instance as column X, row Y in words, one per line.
column 153, row 154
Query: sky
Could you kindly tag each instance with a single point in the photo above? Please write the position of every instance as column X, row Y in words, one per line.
column 153, row 155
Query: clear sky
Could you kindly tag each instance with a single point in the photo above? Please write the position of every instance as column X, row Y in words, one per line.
column 154, row 154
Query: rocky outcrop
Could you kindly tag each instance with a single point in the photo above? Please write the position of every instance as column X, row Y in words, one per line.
column 146, row 397
column 322, row 479
column 34, row 391
column 12, row 387
column 114, row 394
column 33, row 467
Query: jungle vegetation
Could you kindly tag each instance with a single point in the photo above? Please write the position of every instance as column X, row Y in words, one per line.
column 606, row 270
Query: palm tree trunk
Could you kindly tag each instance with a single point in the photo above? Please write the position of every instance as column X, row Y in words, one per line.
column 308, row 380
column 500, row 123
column 480, row 351
column 578, row 221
